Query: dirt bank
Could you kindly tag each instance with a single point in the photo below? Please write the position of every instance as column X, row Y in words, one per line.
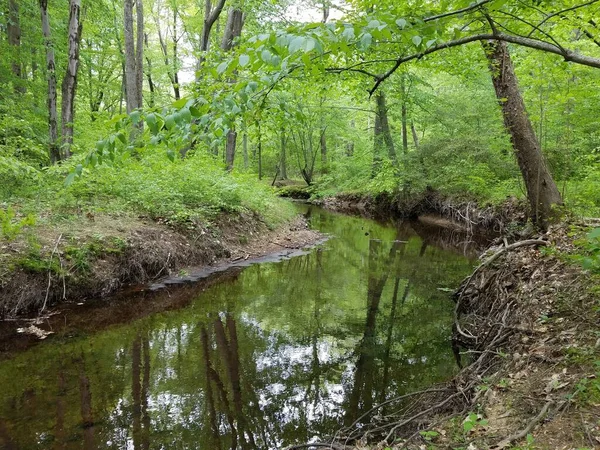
column 460, row 213
column 526, row 333
column 97, row 256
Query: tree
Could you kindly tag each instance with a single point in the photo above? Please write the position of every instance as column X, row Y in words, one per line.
column 233, row 30
column 134, row 51
column 69, row 83
column 51, row 76
column 13, row 30
column 542, row 192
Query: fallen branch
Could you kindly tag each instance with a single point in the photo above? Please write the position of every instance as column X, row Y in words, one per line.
column 524, row 432
column 485, row 263
column 50, row 274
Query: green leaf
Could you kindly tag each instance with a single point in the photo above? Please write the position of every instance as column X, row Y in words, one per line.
column 365, row 40
column 179, row 103
column 135, row 117
column 417, row 40
column 171, row 155
column 594, row 234
column 70, row 178
column 296, row 44
column 401, row 23
column 266, row 56
column 222, row 67
column 195, row 112
column 244, row 60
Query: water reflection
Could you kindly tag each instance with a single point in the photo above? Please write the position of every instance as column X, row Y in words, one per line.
column 277, row 354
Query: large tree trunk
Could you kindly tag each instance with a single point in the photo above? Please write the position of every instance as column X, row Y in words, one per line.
column 133, row 68
column 69, row 83
column 51, row 75
column 13, row 30
column 542, row 192
column 233, row 30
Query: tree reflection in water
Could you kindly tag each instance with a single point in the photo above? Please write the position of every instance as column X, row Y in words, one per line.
column 278, row 354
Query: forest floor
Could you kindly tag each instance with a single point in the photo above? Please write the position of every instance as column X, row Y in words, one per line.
column 94, row 256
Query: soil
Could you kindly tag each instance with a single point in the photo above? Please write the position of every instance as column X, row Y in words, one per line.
column 98, row 256
column 458, row 213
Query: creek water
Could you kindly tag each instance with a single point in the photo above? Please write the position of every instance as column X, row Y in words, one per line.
column 261, row 357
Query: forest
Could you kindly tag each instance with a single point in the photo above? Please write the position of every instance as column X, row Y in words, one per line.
column 139, row 138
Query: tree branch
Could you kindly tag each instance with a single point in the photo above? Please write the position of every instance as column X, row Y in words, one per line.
column 458, row 11
column 568, row 55
column 558, row 13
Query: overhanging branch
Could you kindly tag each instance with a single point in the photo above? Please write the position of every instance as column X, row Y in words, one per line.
column 568, row 55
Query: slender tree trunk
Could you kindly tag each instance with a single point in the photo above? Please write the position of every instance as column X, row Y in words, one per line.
column 283, row 158
column 148, row 71
column 323, row 141
column 69, row 83
column 139, row 52
column 210, row 17
column 383, row 134
column 415, row 136
column 233, row 30
column 13, row 30
column 51, row 75
column 404, row 116
column 245, row 149
column 259, row 153
column 542, row 192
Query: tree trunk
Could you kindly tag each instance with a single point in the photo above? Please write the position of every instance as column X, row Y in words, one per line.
column 404, row 116
column 131, row 84
column 210, row 17
column 139, row 52
column 542, row 192
column 283, row 159
column 415, row 136
column 13, row 30
column 382, row 127
column 245, row 149
column 233, row 30
column 51, row 75
column 323, row 140
column 69, row 83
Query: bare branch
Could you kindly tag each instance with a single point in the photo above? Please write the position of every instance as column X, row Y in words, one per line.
column 558, row 13
column 470, row 8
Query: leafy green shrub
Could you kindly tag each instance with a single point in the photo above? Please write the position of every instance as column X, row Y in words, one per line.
column 10, row 226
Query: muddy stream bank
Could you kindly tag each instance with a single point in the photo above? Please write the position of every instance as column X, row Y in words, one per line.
column 262, row 355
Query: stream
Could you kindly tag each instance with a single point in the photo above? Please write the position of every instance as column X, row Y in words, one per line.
column 257, row 357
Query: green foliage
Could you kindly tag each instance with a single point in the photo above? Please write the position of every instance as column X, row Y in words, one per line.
column 590, row 251
column 11, row 226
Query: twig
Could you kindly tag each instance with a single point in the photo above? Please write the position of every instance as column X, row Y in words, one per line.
column 524, row 432
column 50, row 273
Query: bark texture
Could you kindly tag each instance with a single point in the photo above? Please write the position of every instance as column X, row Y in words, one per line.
column 51, row 75
column 133, row 56
column 383, row 134
column 542, row 192
column 233, row 30
column 13, row 30
column 69, row 83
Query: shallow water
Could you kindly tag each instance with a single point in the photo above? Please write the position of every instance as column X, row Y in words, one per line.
column 268, row 356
